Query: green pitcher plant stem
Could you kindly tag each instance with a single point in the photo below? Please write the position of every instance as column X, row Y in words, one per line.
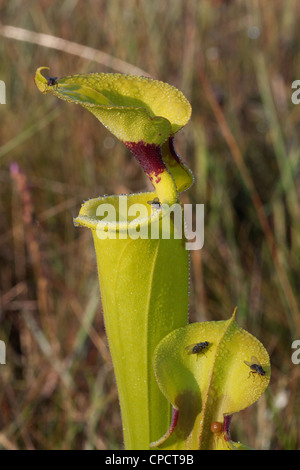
column 144, row 296
column 178, row 383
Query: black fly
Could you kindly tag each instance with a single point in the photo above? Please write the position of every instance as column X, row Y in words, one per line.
column 52, row 81
column 255, row 367
column 197, row 348
column 155, row 204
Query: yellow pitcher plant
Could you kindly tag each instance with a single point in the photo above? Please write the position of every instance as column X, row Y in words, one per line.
column 172, row 386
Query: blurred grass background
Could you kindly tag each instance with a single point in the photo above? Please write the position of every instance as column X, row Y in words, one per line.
column 235, row 61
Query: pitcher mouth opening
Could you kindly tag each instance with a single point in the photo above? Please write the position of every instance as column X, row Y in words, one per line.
column 118, row 212
column 142, row 216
